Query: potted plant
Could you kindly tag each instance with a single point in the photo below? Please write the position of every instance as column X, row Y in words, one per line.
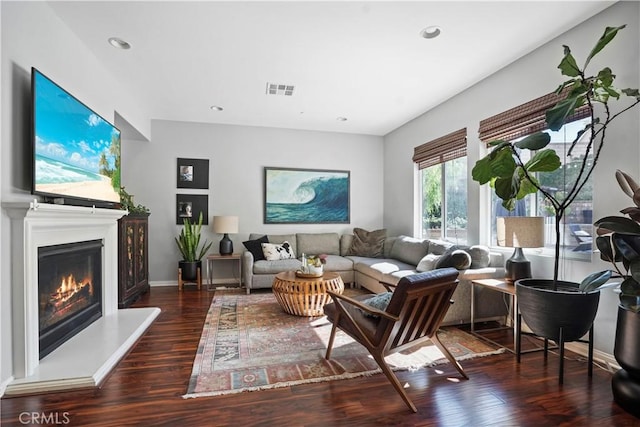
column 192, row 252
column 313, row 264
column 547, row 306
column 619, row 243
column 127, row 203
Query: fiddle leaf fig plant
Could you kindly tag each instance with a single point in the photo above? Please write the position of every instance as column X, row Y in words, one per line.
column 512, row 178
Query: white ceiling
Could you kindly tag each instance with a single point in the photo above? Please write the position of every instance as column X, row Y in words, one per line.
column 364, row 61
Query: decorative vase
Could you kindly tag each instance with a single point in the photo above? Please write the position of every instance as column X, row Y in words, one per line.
column 625, row 383
column 189, row 269
column 315, row 270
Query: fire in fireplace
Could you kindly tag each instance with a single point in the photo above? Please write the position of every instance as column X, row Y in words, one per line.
column 69, row 291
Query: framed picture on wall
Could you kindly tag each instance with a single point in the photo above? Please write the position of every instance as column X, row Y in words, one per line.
column 306, row 196
column 190, row 205
column 193, row 173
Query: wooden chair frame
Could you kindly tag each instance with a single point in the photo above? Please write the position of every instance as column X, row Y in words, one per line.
column 413, row 316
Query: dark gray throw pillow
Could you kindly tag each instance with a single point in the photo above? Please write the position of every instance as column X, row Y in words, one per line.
column 367, row 243
column 480, row 256
column 379, row 301
column 255, row 247
column 456, row 258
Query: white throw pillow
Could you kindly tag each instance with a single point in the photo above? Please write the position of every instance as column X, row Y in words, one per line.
column 273, row 252
column 428, row 262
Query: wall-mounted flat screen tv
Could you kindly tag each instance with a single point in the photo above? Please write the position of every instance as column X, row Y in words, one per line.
column 76, row 153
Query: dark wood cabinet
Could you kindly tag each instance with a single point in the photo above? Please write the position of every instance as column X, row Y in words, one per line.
column 133, row 258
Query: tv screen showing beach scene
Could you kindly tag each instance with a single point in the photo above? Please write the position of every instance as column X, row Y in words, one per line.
column 76, row 151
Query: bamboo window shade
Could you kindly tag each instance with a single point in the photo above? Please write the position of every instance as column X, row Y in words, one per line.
column 441, row 150
column 525, row 119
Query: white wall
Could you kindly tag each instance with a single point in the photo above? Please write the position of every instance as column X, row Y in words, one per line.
column 32, row 35
column 531, row 76
column 237, row 156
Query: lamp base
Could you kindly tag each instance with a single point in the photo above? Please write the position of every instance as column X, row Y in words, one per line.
column 226, row 245
column 517, row 267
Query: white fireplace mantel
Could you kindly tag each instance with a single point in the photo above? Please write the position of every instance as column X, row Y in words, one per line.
column 89, row 356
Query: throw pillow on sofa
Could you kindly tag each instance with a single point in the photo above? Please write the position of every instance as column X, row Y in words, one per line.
column 273, row 252
column 480, row 256
column 428, row 262
column 367, row 243
column 456, row 258
column 409, row 249
column 255, row 247
column 438, row 247
column 477, row 256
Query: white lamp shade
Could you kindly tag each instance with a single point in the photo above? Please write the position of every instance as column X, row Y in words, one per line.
column 520, row 231
column 225, row 224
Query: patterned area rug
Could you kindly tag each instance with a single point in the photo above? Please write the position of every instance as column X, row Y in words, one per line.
column 248, row 343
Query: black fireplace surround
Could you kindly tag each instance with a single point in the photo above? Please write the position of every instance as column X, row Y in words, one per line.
column 69, row 291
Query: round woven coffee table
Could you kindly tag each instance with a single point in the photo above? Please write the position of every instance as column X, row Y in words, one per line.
column 303, row 296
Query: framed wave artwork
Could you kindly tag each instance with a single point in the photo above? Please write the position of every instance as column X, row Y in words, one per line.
column 306, row 196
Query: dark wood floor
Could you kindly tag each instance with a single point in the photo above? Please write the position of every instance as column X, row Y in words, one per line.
column 146, row 389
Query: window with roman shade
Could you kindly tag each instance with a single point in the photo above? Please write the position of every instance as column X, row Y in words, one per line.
column 441, row 150
column 442, row 165
column 525, row 119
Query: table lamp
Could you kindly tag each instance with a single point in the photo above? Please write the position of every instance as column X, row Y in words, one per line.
column 225, row 224
column 519, row 232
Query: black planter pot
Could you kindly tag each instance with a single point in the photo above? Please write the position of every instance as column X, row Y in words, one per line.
column 562, row 315
column 627, row 341
column 546, row 311
column 625, row 384
column 189, row 269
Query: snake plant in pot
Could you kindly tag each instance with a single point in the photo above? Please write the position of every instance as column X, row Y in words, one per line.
column 555, row 309
column 189, row 245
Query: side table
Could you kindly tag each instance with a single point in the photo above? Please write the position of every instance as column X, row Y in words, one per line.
column 217, row 257
column 509, row 289
column 505, row 288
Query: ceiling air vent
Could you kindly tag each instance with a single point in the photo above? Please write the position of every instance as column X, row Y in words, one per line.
column 279, row 89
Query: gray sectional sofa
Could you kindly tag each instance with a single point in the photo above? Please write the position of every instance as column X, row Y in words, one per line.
column 401, row 256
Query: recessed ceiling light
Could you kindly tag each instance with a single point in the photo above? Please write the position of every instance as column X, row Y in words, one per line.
column 119, row 43
column 341, row 119
column 431, row 32
column 216, row 108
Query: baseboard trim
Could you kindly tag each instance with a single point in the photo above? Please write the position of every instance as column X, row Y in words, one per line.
column 158, row 284
column 216, row 282
column 608, row 361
